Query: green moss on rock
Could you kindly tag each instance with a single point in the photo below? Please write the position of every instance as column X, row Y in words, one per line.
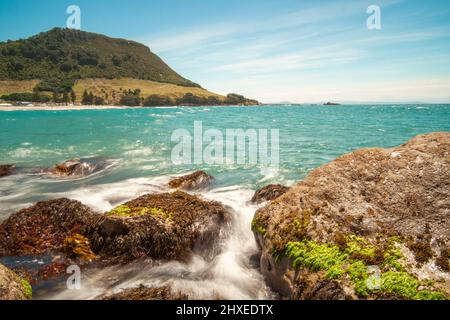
column 315, row 256
column 350, row 261
column 27, row 288
column 360, row 247
column 258, row 227
column 125, row 211
column 120, row 211
column 400, row 284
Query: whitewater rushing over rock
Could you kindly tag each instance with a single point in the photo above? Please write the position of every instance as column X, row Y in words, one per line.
column 231, row 274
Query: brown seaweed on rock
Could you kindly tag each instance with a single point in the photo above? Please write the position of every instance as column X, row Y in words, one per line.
column 158, row 226
column 76, row 168
column 43, row 227
column 147, row 293
column 269, row 193
column 194, row 181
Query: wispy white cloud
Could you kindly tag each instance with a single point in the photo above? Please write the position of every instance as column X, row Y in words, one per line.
column 206, row 34
column 297, row 61
column 312, row 54
column 190, row 38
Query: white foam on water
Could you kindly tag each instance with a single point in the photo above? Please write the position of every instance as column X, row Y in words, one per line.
column 142, row 151
column 23, row 152
column 269, row 174
column 104, row 197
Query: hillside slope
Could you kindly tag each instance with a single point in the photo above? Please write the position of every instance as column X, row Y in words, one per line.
column 65, row 54
column 113, row 87
column 65, row 66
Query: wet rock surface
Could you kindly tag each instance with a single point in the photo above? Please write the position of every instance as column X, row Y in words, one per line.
column 195, row 181
column 159, row 226
column 77, row 167
column 269, row 193
column 6, row 170
column 384, row 207
column 12, row 287
column 324, row 290
column 147, row 293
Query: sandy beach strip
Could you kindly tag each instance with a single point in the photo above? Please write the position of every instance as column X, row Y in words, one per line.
column 60, row 108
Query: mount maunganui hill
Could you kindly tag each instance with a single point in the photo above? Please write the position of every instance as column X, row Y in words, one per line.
column 73, row 54
column 61, row 64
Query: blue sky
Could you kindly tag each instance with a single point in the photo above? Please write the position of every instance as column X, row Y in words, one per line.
column 274, row 50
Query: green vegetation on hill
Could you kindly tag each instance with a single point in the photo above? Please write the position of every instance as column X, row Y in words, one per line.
column 60, row 56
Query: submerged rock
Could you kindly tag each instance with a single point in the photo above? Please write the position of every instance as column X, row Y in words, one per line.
column 269, row 193
column 388, row 208
column 158, row 226
column 76, row 167
column 194, row 181
column 12, row 287
column 6, row 170
column 147, row 293
column 43, row 227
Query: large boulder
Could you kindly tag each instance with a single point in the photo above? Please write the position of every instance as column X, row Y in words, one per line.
column 159, row 226
column 43, row 227
column 269, row 193
column 380, row 211
column 12, row 287
column 6, row 170
column 195, row 181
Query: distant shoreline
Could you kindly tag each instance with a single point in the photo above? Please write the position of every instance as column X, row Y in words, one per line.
column 60, row 108
column 106, row 107
column 112, row 107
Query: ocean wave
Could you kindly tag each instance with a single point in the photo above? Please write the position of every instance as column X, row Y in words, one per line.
column 21, row 152
column 142, row 151
column 161, row 116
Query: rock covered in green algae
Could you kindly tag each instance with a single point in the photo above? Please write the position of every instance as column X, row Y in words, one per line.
column 385, row 208
column 12, row 287
column 195, row 181
column 158, row 226
column 43, row 227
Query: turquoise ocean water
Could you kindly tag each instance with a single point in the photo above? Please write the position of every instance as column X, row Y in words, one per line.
column 136, row 144
column 138, row 140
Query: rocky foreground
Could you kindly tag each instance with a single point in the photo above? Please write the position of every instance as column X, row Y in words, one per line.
column 153, row 227
column 371, row 224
